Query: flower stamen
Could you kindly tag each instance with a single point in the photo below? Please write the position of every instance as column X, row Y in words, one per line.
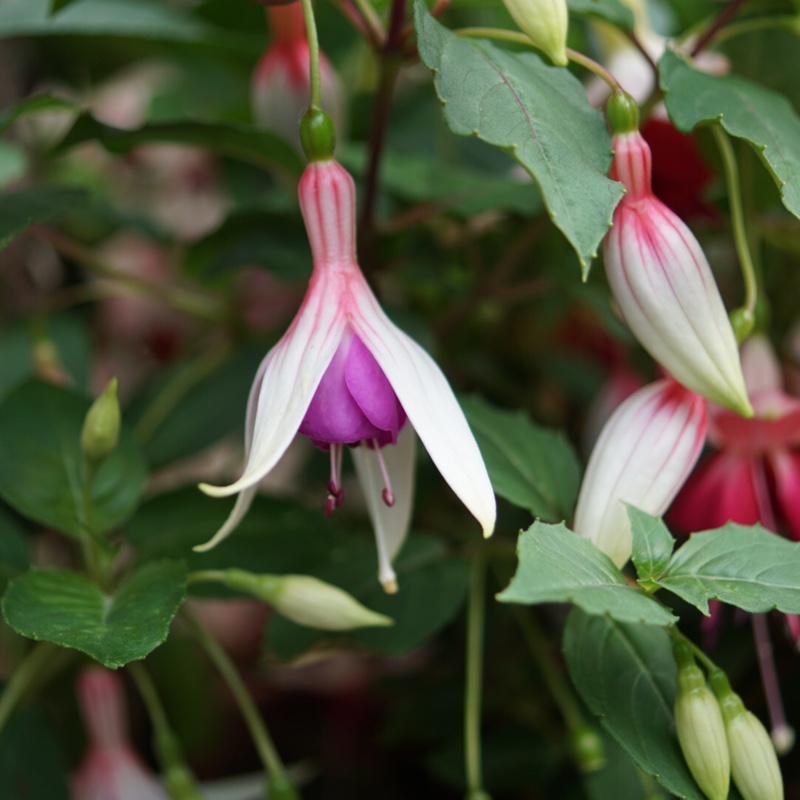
column 335, row 496
column 387, row 494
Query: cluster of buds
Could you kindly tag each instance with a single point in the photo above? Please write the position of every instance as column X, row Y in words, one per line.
column 720, row 738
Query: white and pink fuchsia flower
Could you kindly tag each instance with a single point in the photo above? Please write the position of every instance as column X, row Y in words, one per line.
column 644, row 454
column 345, row 375
column 664, row 285
column 110, row 769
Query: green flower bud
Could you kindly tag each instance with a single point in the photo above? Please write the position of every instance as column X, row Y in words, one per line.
column 317, row 135
column 754, row 763
column 307, row 600
column 587, row 749
column 701, row 733
column 545, row 23
column 101, row 426
column 622, row 113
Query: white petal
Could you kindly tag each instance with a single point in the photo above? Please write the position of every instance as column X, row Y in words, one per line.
column 389, row 522
column 643, row 456
column 243, row 502
column 290, row 374
column 430, row 405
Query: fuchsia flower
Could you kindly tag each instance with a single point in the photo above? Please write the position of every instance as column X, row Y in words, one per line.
column 644, row 453
column 754, row 475
column 110, row 769
column 344, row 374
column 280, row 83
column 664, row 286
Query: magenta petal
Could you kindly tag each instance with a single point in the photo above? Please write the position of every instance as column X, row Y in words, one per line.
column 372, row 392
column 785, row 467
column 334, row 416
column 720, row 490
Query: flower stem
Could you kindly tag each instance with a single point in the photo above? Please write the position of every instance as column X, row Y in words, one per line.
column 315, row 94
column 24, row 675
column 258, row 730
column 474, row 668
column 553, row 677
column 390, row 62
column 738, row 221
column 698, row 653
column 719, row 22
column 166, row 745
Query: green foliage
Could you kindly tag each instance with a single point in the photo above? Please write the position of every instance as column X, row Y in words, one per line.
column 652, row 546
column 21, row 208
column 114, row 628
column 612, row 11
column 530, row 466
column 41, row 464
column 31, row 764
column 626, row 676
column 747, row 567
column 539, row 115
column 556, row 566
column 14, row 549
column 759, row 116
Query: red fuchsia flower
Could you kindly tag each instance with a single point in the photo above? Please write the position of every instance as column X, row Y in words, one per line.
column 664, row 286
column 754, row 475
column 110, row 769
column 644, row 453
column 345, row 375
column 280, row 86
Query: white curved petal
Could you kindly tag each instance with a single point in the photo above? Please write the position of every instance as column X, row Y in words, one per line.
column 390, row 523
column 430, row 405
column 643, row 456
column 243, row 502
column 291, row 373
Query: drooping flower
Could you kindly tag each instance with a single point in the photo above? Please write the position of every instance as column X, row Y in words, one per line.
column 280, row 85
column 110, row 769
column 664, row 286
column 643, row 455
column 344, row 374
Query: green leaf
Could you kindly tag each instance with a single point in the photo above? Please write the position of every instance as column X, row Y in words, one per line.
column 612, row 11
column 212, row 405
column 433, row 585
column 41, row 462
column 467, row 192
column 747, row 567
column 626, row 675
column 31, row 764
column 14, row 551
column 21, row 208
column 530, row 466
column 557, row 566
column 139, row 19
column 258, row 147
column 69, row 610
column 652, row 546
column 276, row 535
column 745, row 110
column 536, row 113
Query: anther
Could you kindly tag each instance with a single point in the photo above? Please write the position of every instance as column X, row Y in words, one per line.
column 387, row 494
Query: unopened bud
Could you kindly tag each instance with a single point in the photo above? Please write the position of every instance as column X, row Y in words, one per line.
column 545, row 23
column 587, row 749
column 307, row 600
column 101, row 426
column 754, row 763
column 700, row 729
